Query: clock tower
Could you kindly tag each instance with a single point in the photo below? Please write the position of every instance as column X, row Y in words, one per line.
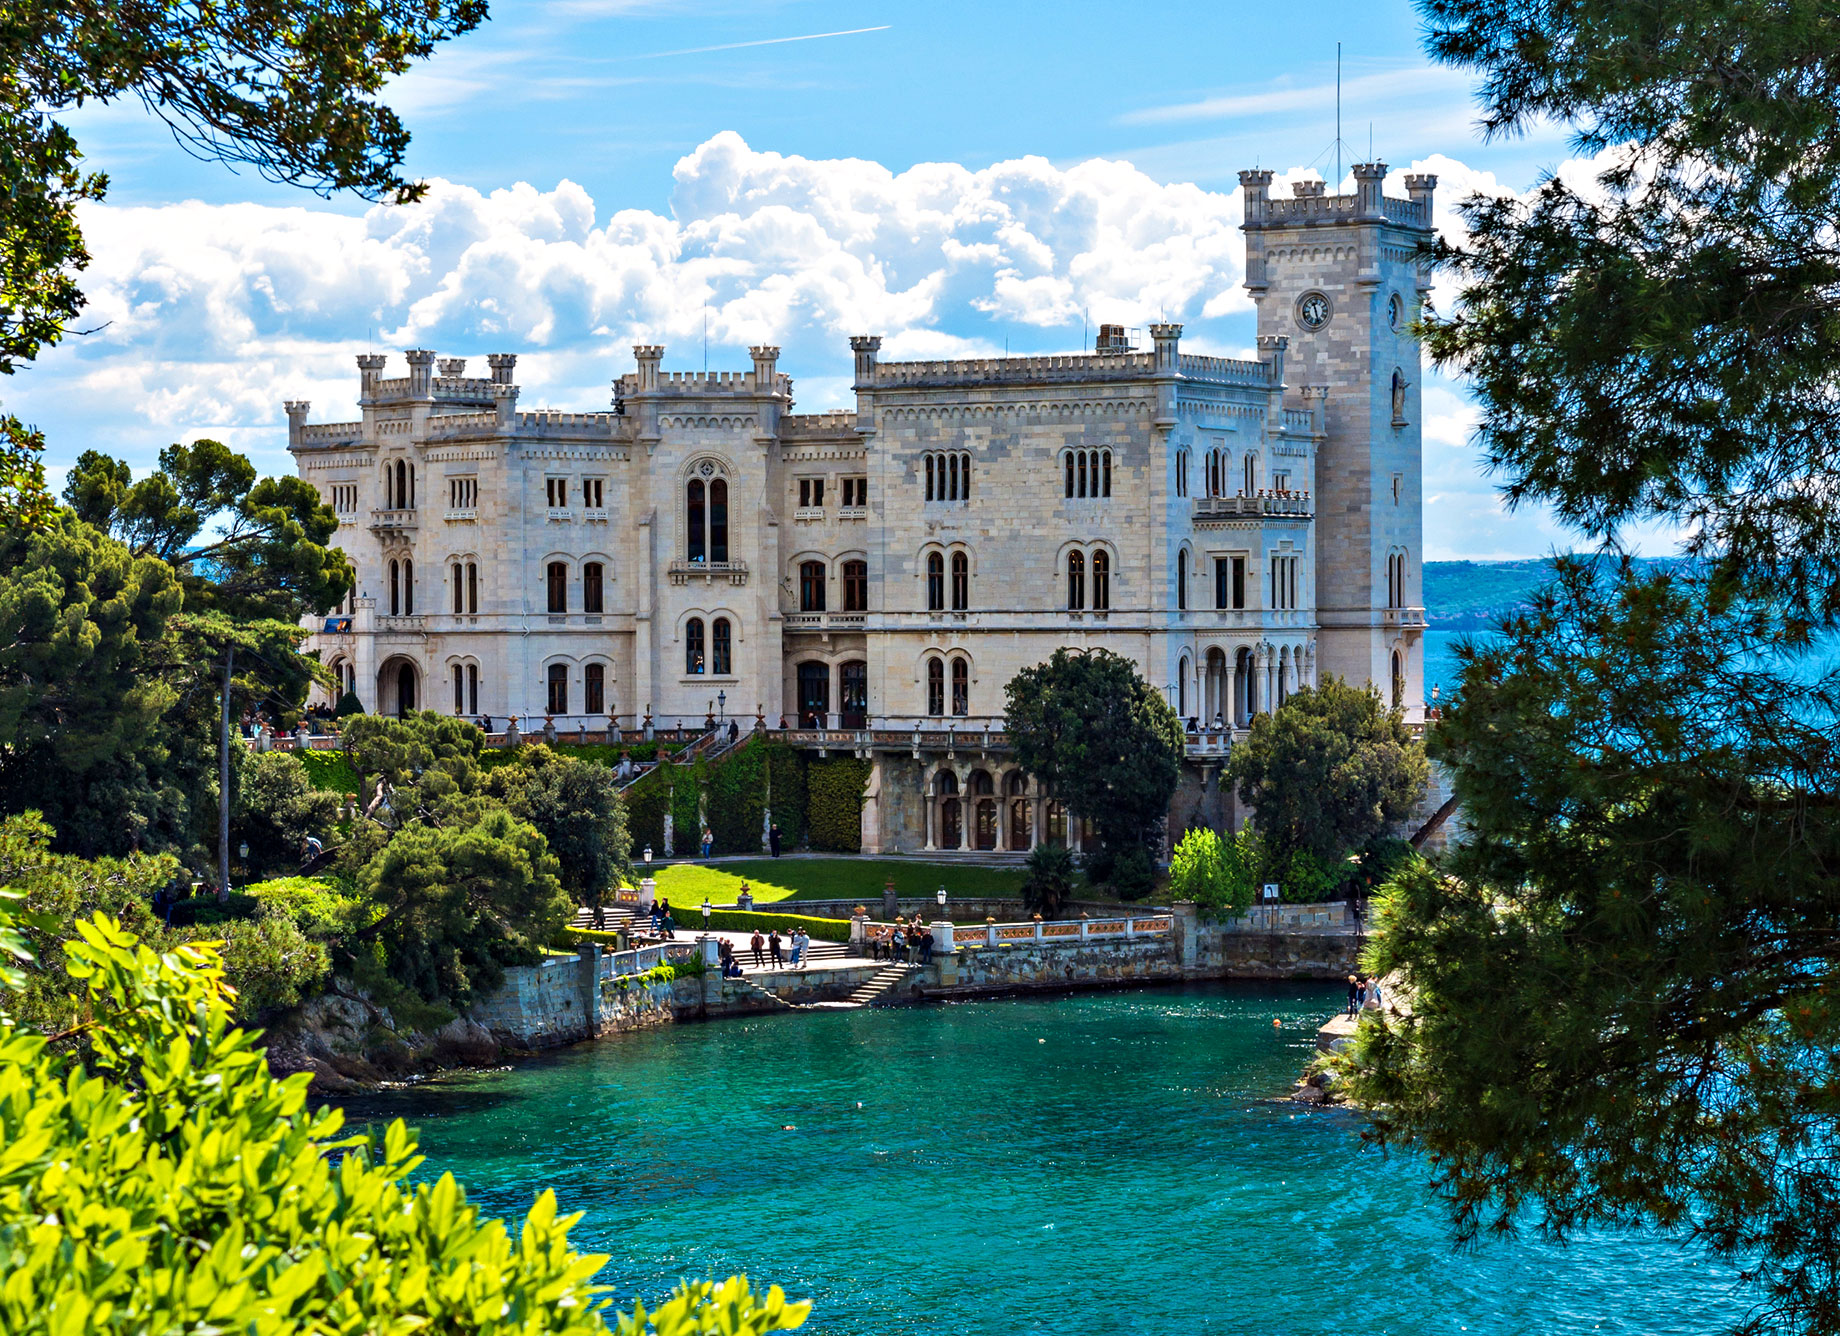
column 1343, row 277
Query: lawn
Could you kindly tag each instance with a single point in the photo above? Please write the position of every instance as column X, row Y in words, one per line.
column 858, row 879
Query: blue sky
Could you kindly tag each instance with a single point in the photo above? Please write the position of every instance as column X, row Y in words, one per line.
column 961, row 178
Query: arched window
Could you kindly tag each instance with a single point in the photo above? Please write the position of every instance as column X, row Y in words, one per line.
column 395, row 590
column 693, row 521
column 459, row 583
column 693, row 646
column 557, row 582
column 853, row 693
column 1069, row 465
column 1182, row 580
column 961, row 687
column 718, row 519
column 1076, row 580
column 1102, row 580
column 472, row 689
column 1399, row 681
column 961, row 582
column 811, row 586
column 558, row 688
column 856, row 586
column 591, row 589
column 1252, row 476
column 1182, row 687
column 472, row 590
column 594, row 688
column 402, row 487
column 1079, row 465
column 935, row 582
column 952, row 474
column 408, row 588
column 1215, row 470
column 814, row 694
column 1181, row 473
column 459, row 690
column 1105, row 464
column 929, row 477
column 964, row 477
column 721, row 648
column 935, row 687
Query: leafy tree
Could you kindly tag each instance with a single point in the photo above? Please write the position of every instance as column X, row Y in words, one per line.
column 252, row 558
column 1623, row 978
column 459, row 903
column 1048, row 888
column 1213, row 873
column 1102, row 740
column 81, row 705
column 576, row 806
column 277, row 808
column 1328, row 771
column 130, row 1205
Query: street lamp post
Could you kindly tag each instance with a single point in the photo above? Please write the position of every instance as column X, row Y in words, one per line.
column 721, row 707
column 648, row 855
column 242, row 852
column 942, row 899
column 705, row 916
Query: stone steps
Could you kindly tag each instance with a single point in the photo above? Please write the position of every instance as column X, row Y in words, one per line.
column 880, row 984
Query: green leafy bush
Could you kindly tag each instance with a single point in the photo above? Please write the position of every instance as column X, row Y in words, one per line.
column 745, row 920
column 329, row 770
column 349, row 704
column 1050, row 883
column 128, row 1204
column 208, row 911
column 834, row 798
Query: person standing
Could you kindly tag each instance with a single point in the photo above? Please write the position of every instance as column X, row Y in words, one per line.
column 899, row 944
column 759, row 944
column 926, row 945
column 800, row 940
column 773, row 838
column 1354, row 995
column 773, row 947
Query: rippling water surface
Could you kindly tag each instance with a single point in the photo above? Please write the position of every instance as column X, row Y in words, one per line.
column 1093, row 1163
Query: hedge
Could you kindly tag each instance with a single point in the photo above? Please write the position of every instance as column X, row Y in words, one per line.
column 743, row 920
column 329, row 770
column 834, row 791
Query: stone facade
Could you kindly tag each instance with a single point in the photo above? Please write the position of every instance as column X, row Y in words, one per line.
column 1236, row 527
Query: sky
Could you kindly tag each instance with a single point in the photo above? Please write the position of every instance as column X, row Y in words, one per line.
column 961, row 178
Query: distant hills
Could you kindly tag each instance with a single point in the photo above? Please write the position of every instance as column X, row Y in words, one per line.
column 1473, row 595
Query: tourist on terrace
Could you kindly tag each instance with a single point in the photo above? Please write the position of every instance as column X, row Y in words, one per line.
column 773, row 948
column 1374, row 1000
column 898, row 943
column 709, row 842
column 926, row 946
column 800, row 940
column 773, row 836
column 1354, row 995
column 759, row 944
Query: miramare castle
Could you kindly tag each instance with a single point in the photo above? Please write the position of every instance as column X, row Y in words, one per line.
column 869, row 580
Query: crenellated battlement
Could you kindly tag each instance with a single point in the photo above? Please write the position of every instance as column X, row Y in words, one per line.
column 836, row 422
column 1059, row 367
column 1225, row 370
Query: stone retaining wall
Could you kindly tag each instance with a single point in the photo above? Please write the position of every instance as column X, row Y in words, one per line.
column 1027, row 967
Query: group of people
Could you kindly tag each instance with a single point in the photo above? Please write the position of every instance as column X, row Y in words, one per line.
column 1364, row 994
column 769, row 947
column 902, row 941
column 664, row 923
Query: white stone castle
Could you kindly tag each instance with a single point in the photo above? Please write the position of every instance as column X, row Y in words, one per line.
column 871, row 579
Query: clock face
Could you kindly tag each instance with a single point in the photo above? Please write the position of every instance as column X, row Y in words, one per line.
column 1313, row 310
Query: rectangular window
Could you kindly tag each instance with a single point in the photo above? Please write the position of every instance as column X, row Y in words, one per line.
column 1223, row 583
column 557, row 490
column 472, row 590
column 591, row 590
column 462, row 493
column 811, row 494
column 594, row 688
column 722, row 647
column 557, row 587
column 1280, row 482
column 855, row 586
column 1239, row 582
column 472, row 688
column 811, row 586
column 558, row 688
column 592, row 496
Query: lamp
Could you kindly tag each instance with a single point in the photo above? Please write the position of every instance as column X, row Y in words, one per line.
column 705, row 913
column 722, row 706
column 648, row 853
column 942, row 897
column 242, row 850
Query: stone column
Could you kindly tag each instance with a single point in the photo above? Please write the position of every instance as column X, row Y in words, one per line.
column 1271, row 695
column 1231, row 714
column 648, row 892
column 891, row 903
column 1184, row 924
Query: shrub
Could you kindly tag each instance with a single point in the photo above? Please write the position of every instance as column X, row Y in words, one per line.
column 1133, row 873
column 348, row 704
column 1050, row 882
column 834, row 799
column 207, row 910
column 329, row 770
column 1218, row 875
column 132, row 1204
column 1305, row 879
column 743, row 920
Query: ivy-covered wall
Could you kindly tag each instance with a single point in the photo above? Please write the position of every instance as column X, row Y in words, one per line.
column 737, row 786
column 834, row 805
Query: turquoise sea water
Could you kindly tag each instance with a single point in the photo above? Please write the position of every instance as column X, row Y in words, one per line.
column 1091, row 1163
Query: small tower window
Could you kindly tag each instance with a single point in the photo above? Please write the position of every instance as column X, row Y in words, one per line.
column 1101, row 580
column 1076, row 580
column 935, row 582
column 721, row 647
column 961, row 582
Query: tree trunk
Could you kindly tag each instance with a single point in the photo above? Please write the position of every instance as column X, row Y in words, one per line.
column 223, row 784
column 1438, row 818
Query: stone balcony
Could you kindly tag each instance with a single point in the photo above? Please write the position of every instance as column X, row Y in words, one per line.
column 415, row 624
column 1404, row 618
column 825, row 621
column 726, row 572
column 1287, row 505
column 392, row 521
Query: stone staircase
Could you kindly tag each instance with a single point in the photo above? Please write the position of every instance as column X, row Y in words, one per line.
column 875, row 992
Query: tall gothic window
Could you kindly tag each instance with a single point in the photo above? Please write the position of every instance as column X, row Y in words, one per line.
column 594, row 688
column 693, row 646
column 961, row 687
column 935, row 687
column 856, row 586
column 472, row 589
column 459, row 583
column 693, row 519
column 408, row 588
column 557, row 586
column 591, row 589
column 1101, row 580
column 961, row 582
column 811, row 586
column 1181, row 473
column 935, row 582
column 721, row 647
column 558, row 688
column 472, row 689
column 718, row 519
column 1182, row 580
column 1252, row 475
column 1076, row 580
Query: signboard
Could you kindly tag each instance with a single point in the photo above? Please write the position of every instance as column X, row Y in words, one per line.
column 1270, row 891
